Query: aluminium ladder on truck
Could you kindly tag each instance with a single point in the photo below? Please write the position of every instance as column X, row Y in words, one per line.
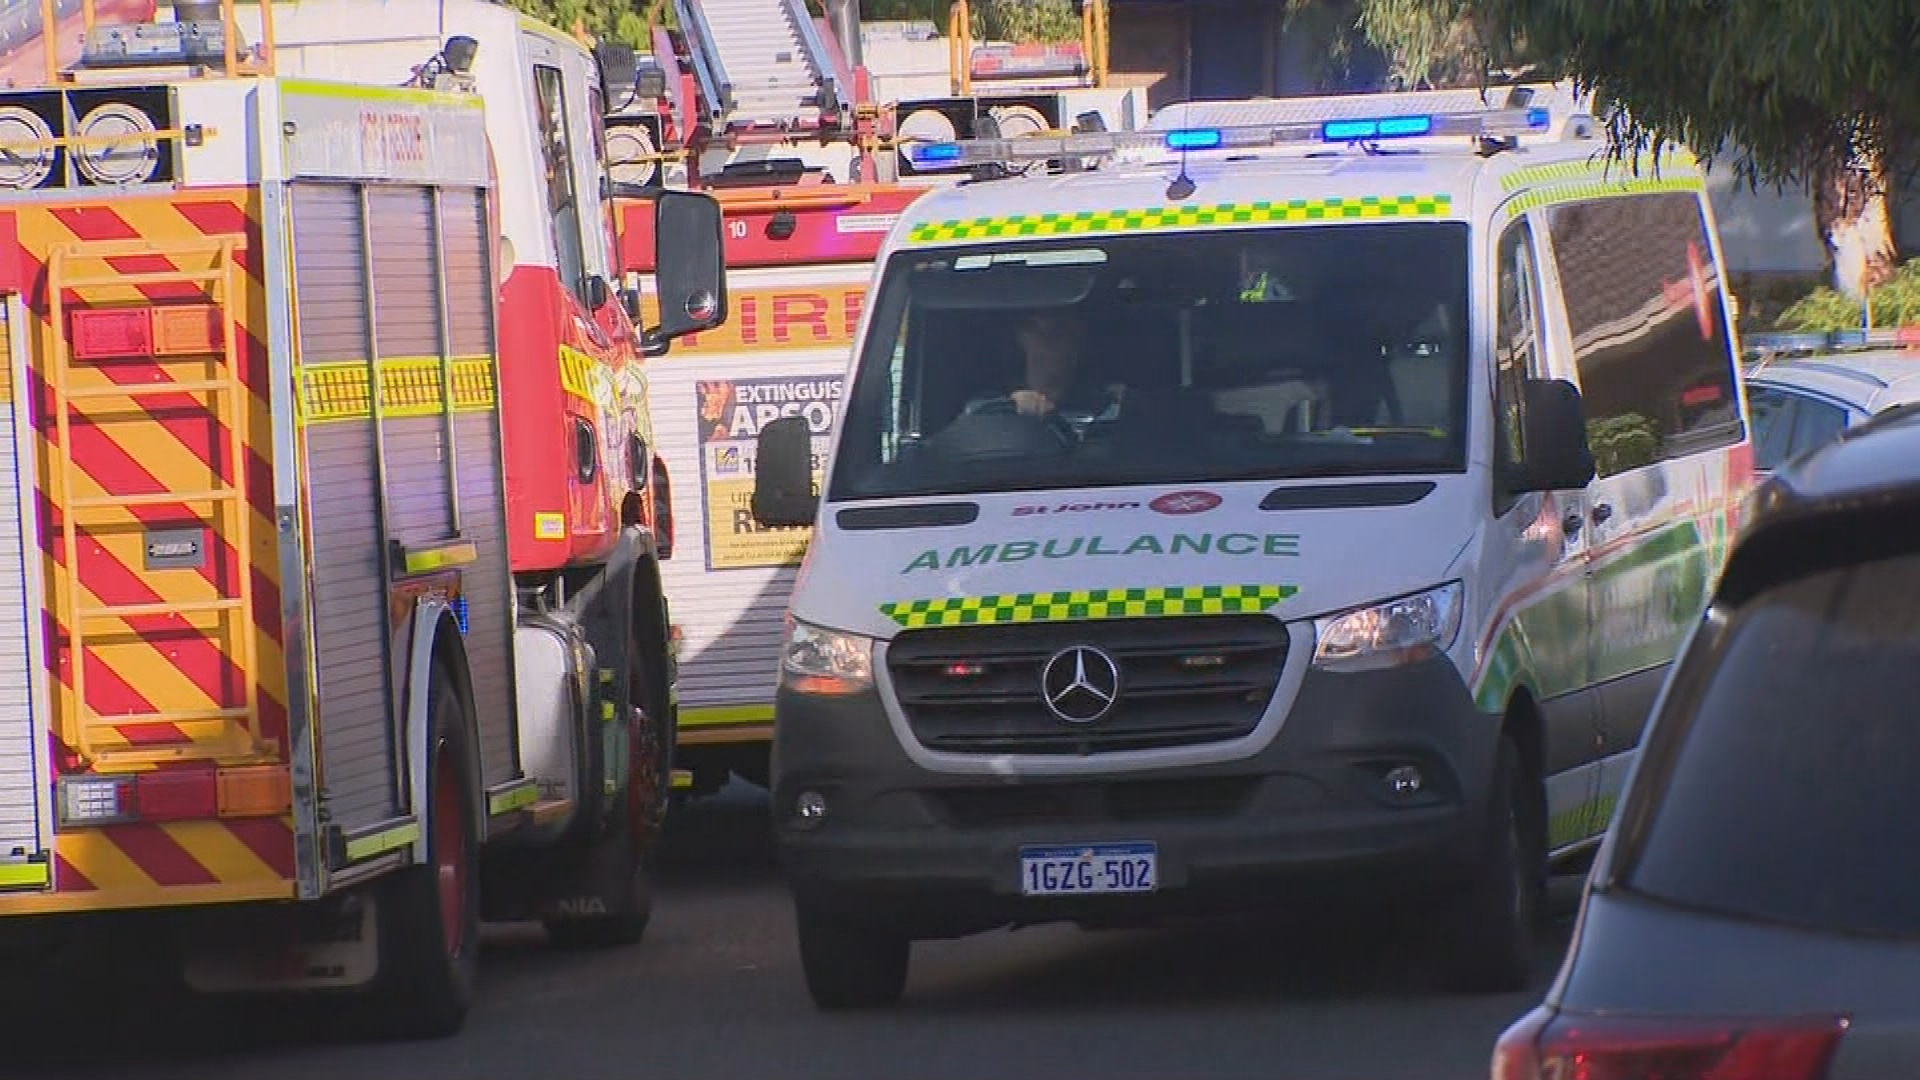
column 763, row 67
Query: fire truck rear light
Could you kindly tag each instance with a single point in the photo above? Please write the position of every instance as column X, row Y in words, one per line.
column 112, row 332
column 176, row 795
column 96, row 800
column 187, row 330
column 255, row 791
column 1542, row 1045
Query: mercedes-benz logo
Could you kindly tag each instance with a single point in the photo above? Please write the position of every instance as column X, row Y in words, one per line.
column 1080, row 684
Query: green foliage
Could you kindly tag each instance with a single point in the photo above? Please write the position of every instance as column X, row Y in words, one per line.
column 1799, row 86
column 1896, row 303
column 1426, row 39
column 1024, row 21
column 1622, row 442
column 624, row 21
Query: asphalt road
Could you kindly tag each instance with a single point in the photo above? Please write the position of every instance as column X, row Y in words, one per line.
column 715, row 992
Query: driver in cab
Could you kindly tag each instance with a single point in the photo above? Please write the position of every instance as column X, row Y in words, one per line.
column 1053, row 342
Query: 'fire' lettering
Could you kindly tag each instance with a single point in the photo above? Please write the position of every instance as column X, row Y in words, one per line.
column 799, row 308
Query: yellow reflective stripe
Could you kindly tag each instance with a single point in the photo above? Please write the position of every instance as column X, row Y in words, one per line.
column 585, row 377
column 440, row 558
column 1563, row 193
column 366, row 847
column 1087, row 222
column 25, row 875
column 1596, row 168
column 714, row 715
column 343, row 91
column 516, row 798
column 1087, row 604
column 409, row 386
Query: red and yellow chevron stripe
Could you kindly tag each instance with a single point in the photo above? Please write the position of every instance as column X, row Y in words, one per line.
column 164, row 674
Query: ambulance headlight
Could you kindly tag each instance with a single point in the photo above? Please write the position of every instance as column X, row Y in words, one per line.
column 818, row 661
column 1400, row 631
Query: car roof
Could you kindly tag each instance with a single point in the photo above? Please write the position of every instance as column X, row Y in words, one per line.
column 1863, row 483
column 1870, row 381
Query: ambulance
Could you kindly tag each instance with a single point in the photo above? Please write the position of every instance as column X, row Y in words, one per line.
column 1251, row 509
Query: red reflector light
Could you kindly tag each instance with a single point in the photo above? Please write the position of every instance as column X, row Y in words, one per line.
column 964, row 671
column 1542, row 1045
column 112, row 332
column 178, row 794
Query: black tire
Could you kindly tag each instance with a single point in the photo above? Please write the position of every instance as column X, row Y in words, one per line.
column 1490, row 937
column 630, row 909
column 624, row 854
column 430, row 937
column 851, row 966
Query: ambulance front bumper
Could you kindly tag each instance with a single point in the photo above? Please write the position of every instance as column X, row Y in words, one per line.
column 1328, row 810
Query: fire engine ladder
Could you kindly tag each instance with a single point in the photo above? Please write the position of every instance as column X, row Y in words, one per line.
column 762, row 66
column 225, row 732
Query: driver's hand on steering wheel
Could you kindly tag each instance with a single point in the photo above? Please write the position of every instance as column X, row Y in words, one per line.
column 1031, row 402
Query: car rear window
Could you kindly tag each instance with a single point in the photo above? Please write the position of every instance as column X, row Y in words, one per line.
column 1794, row 795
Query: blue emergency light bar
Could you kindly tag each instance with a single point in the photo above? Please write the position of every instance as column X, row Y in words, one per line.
column 933, row 156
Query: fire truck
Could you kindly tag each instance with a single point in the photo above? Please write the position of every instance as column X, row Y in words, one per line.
column 771, row 110
column 332, row 620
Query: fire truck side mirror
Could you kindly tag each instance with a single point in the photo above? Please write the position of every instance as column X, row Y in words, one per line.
column 783, row 492
column 1553, row 438
column 690, row 276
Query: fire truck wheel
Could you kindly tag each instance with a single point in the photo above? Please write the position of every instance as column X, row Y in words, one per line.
column 620, row 863
column 430, row 914
column 650, row 795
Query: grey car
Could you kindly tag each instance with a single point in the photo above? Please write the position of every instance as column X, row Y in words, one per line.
column 1754, row 912
column 1799, row 404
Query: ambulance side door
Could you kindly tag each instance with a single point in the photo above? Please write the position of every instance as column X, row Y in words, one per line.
column 1549, row 582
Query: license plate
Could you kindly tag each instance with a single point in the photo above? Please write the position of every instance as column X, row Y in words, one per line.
column 1086, row 869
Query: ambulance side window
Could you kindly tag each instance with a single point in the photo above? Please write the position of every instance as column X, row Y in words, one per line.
column 1645, row 307
column 556, row 152
column 1516, row 348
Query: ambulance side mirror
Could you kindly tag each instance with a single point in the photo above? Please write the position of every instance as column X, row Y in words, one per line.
column 690, row 276
column 783, row 492
column 1553, row 439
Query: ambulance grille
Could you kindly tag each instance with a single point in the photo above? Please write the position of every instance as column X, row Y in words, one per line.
column 1184, row 681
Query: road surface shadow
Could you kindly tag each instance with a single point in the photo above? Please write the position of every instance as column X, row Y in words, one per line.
column 724, row 839
column 718, row 876
column 1204, row 964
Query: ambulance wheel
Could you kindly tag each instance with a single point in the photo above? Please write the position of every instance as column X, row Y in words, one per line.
column 1490, row 933
column 851, row 966
column 429, row 915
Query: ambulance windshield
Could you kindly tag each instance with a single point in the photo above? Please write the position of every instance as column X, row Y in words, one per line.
column 1143, row 358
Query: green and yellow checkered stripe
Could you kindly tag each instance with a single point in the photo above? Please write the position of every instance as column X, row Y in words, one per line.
column 1086, row 604
column 409, row 386
column 1088, row 222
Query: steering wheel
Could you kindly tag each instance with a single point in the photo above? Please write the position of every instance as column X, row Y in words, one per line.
column 1056, row 425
